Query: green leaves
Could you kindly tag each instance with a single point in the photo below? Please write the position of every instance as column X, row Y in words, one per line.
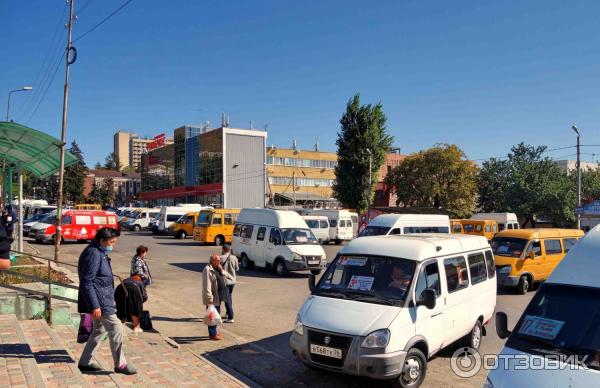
column 363, row 128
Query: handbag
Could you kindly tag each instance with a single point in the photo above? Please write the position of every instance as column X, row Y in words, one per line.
column 146, row 320
column 85, row 328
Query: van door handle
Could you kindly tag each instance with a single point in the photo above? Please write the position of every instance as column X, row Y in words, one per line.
column 435, row 315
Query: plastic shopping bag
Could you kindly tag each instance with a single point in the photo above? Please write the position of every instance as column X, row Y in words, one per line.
column 212, row 316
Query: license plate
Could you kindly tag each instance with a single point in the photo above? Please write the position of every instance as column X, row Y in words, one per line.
column 326, row 351
column 313, row 262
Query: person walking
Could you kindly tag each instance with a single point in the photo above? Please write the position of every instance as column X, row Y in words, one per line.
column 139, row 266
column 5, row 242
column 230, row 265
column 96, row 297
column 9, row 218
column 214, row 290
column 129, row 298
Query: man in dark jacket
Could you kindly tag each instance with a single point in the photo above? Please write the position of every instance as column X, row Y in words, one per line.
column 9, row 219
column 96, row 297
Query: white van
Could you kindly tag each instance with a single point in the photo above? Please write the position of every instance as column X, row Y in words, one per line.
column 390, row 224
column 386, row 304
column 141, row 219
column 566, row 309
column 319, row 225
column 170, row 214
column 278, row 239
column 341, row 227
column 504, row 220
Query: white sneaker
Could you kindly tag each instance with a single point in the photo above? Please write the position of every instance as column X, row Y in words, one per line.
column 229, row 321
column 137, row 330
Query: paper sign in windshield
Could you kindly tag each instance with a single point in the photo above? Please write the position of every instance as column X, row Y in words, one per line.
column 540, row 327
column 361, row 283
column 301, row 238
column 353, row 261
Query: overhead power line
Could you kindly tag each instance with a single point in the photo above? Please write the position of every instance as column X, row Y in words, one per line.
column 102, row 21
column 46, row 90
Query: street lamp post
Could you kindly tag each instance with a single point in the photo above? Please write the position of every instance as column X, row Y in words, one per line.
column 23, row 89
column 578, row 165
column 369, row 186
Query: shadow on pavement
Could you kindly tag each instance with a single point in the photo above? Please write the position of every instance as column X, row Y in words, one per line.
column 194, row 267
column 266, row 273
column 167, row 319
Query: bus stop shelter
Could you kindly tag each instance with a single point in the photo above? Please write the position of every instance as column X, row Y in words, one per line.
column 26, row 149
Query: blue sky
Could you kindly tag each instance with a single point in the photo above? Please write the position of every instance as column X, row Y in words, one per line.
column 482, row 74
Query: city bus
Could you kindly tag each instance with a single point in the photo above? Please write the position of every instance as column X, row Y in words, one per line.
column 215, row 226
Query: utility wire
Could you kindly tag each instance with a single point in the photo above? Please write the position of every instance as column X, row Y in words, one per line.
column 83, row 7
column 102, row 21
column 45, row 91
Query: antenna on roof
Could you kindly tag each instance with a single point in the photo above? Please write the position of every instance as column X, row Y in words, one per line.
column 295, row 145
column 250, row 124
column 223, row 124
column 317, row 145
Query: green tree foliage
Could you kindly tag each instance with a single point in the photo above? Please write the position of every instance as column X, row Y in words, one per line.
column 75, row 176
column 439, row 177
column 590, row 185
column 529, row 185
column 103, row 192
column 112, row 162
column 362, row 128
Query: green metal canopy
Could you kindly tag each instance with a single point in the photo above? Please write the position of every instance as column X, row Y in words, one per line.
column 39, row 152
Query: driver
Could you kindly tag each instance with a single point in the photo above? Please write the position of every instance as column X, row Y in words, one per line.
column 400, row 279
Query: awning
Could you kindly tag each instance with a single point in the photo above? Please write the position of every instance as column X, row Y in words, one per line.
column 39, row 152
column 303, row 196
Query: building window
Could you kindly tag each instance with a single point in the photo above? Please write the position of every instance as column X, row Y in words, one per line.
column 296, row 162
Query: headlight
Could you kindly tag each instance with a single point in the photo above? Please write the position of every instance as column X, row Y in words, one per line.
column 488, row 383
column 298, row 327
column 377, row 339
column 297, row 257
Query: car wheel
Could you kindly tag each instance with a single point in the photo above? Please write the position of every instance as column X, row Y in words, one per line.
column 280, row 268
column 246, row 262
column 315, row 272
column 523, row 286
column 136, row 228
column 338, row 242
column 181, row 235
column 473, row 339
column 219, row 240
column 413, row 371
column 320, row 242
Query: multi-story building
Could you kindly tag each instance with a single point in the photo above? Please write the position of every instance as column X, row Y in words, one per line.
column 570, row 166
column 383, row 195
column 221, row 167
column 126, row 186
column 130, row 147
column 301, row 177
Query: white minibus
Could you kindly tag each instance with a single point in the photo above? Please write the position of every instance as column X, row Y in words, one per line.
column 504, row 220
column 390, row 224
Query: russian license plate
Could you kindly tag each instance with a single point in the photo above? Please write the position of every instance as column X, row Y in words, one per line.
column 314, row 262
column 326, row 351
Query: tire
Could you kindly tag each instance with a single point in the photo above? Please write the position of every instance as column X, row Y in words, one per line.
column 246, row 262
column 315, row 272
column 473, row 339
column 280, row 268
column 219, row 240
column 338, row 242
column 524, row 285
column 414, row 370
column 320, row 242
column 181, row 235
column 136, row 228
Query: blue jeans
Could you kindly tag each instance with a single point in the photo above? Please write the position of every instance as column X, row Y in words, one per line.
column 212, row 330
column 229, row 301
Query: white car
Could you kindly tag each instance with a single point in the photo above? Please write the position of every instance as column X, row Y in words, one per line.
column 387, row 304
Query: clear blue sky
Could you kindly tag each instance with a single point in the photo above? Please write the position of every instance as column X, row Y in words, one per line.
column 482, row 74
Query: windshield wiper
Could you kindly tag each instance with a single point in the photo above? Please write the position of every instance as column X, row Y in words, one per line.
column 358, row 294
column 332, row 293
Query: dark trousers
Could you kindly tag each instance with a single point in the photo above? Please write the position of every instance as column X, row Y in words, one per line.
column 229, row 301
column 212, row 330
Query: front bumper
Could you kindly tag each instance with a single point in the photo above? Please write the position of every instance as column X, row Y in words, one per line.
column 356, row 361
column 298, row 265
column 505, row 280
column 43, row 237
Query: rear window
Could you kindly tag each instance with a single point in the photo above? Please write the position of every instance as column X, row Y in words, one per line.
column 342, row 224
column 552, row 247
column 477, row 268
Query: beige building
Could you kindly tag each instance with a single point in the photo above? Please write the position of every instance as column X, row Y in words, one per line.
column 570, row 166
column 130, row 147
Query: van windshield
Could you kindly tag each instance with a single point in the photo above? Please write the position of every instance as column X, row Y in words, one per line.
column 508, row 246
column 313, row 224
column 561, row 319
column 204, row 218
column 296, row 236
column 370, row 279
column 374, row 231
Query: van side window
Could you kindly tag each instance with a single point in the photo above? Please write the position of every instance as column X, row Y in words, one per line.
column 236, row 229
column 500, row 227
column 342, row 224
column 332, row 223
column 230, row 218
column 478, row 228
column 534, row 246
column 323, row 224
column 488, row 228
column 275, row 236
column 395, row 231
column 491, row 266
column 246, row 231
column 260, row 235
column 429, row 277
column 456, row 273
column 477, row 268
column 217, row 219
column 510, row 226
column 569, row 243
column 495, row 228
column 552, row 247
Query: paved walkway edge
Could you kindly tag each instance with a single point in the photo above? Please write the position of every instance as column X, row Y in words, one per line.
column 222, row 368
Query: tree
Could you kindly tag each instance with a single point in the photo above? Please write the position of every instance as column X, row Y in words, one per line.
column 75, row 176
column 112, row 162
column 98, row 166
column 103, row 192
column 528, row 184
column 440, row 177
column 362, row 129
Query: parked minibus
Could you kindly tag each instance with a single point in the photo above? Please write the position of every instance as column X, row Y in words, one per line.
column 170, row 214
column 277, row 239
column 341, row 226
column 387, row 304
column 184, row 226
column 456, row 226
column 78, row 225
column 141, row 218
column 527, row 256
column 215, row 226
column 485, row 228
column 390, row 224
column 319, row 225
column 504, row 220
column 561, row 323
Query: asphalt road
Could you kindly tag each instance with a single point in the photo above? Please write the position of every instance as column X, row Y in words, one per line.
column 256, row 346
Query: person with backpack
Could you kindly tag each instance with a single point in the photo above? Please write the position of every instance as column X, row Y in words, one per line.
column 230, row 265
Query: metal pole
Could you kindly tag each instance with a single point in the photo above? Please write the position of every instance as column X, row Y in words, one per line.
column 294, row 186
column 63, row 140
column 20, row 172
column 10, row 187
column 8, row 105
column 578, row 182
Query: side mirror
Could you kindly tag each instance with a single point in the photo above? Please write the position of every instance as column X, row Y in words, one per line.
column 531, row 255
column 502, row 325
column 311, row 282
column 427, row 298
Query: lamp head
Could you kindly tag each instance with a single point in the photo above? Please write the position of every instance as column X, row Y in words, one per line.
column 575, row 129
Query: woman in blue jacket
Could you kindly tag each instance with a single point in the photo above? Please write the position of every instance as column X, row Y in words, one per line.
column 96, row 297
